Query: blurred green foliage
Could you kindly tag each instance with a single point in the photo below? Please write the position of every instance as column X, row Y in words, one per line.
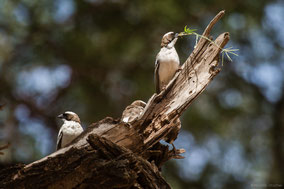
column 95, row 57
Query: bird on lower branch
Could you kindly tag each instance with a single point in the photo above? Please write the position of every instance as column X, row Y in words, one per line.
column 70, row 129
column 133, row 111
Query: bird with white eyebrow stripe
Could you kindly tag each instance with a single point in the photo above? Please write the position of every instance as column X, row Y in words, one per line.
column 167, row 61
column 166, row 65
column 70, row 129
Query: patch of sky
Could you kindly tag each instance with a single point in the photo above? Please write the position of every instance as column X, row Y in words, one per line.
column 269, row 78
column 262, row 46
column 274, row 14
column 34, row 128
column 21, row 14
column 42, row 82
column 230, row 98
column 237, row 21
column 63, row 10
column 196, row 157
column 233, row 161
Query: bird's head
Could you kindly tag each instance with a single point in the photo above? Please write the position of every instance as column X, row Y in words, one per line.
column 69, row 116
column 169, row 39
column 139, row 103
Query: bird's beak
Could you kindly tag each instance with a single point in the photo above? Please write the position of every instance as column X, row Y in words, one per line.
column 176, row 35
column 60, row 116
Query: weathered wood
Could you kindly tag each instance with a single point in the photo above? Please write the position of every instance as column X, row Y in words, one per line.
column 114, row 154
column 103, row 164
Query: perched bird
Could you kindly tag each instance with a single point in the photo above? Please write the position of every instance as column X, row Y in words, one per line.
column 70, row 129
column 133, row 111
column 166, row 65
column 167, row 61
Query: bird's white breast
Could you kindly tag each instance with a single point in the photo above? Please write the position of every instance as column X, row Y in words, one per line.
column 166, row 55
column 169, row 64
column 70, row 130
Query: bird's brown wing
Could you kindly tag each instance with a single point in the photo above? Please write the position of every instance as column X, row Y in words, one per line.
column 59, row 141
column 156, row 76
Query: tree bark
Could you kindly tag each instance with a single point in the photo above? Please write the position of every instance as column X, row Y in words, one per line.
column 114, row 154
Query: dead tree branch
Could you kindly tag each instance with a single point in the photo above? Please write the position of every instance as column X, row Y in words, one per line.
column 113, row 154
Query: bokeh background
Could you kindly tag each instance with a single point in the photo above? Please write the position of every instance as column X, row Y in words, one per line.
column 95, row 57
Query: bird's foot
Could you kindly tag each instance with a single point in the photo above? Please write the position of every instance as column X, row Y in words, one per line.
column 175, row 153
